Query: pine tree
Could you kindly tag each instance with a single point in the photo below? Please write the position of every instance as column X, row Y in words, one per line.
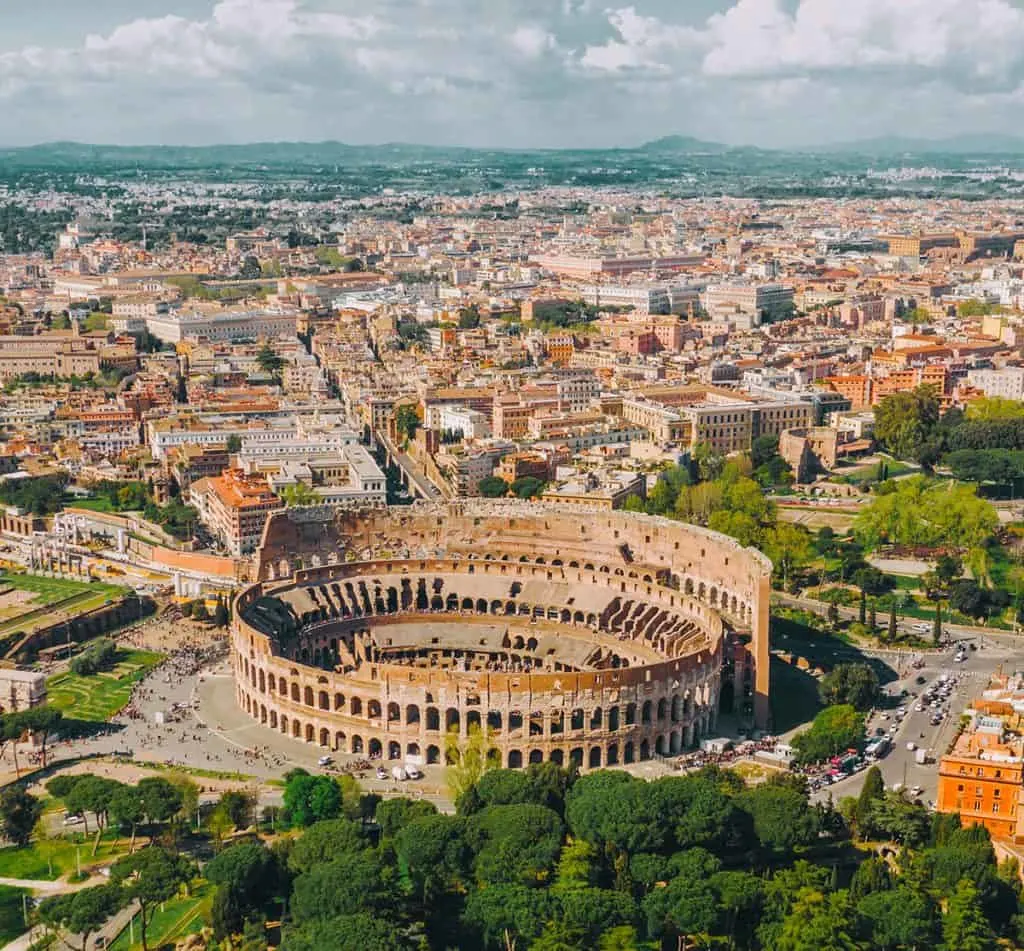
column 862, row 614
column 892, row 624
column 872, row 618
column 964, row 926
column 937, row 624
column 873, row 789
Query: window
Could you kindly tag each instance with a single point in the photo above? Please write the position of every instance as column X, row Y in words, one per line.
column 996, row 793
column 995, row 807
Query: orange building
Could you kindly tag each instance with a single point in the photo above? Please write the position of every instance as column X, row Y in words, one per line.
column 560, row 348
column 857, row 389
column 234, row 507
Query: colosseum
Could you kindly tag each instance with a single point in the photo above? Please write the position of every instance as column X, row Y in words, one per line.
column 603, row 638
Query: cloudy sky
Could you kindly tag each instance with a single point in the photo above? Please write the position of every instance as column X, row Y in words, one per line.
column 556, row 73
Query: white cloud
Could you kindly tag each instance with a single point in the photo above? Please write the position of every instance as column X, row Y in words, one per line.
column 547, row 72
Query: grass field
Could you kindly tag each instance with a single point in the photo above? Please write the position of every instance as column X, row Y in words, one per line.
column 12, row 921
column 98, row 697
column 52, row 595
column 172, row 922
column 49, row 859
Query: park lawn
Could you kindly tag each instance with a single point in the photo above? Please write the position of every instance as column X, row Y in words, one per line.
column 51, row 590
column 100, row 504
column 172, row 922
column 49, row 859
column 12, row 920
column 99, row 696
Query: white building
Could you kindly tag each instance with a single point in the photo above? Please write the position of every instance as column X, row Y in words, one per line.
column 1007, row 383
column 471, row 423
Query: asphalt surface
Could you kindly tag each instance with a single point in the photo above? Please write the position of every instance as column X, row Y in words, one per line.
column 899, row 765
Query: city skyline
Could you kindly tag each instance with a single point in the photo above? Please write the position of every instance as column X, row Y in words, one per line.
column 772, row 73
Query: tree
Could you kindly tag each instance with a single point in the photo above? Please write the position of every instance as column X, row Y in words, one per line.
column 220, row 613
column 708, row 462
column 160, row 799
column 906, row 421
column 250, row 269
column 199, row 610
column 891, row 633
column 435, row 851
column 309, row 799
column 852, row 683
column 789, row 548
column 269, row 361
column 919, row 511
column 872, row 790
column 782, row 816
column 19, row 812
column 818, row 922
column 41, row 722
column 127, row 810
column 365, row 931
column 234, row 443
column 250, row 877
column 469, row 317
column 994, row 408
column 899, row 918
column 407, row 421
column 469, row 760
column 687, row 905
column 515, row 844
column 81, row 913
column 834, row 730
column 872, row 876
column 238, row 804
column 151, row 876
column 937, row 624
column 964, row 926
column 298, row 494
column 527, row 487
column 393, row 815
column 492, row 487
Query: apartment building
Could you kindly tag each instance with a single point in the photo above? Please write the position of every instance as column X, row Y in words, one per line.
column 234, row 507
column 226, row 325
column 350, row 479
column 760, row 301
column 1007, row 383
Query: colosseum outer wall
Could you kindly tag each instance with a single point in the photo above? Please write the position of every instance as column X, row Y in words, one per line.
column 709, row 575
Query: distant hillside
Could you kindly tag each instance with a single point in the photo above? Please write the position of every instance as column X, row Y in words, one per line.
column 982, row 144
column 685, row 144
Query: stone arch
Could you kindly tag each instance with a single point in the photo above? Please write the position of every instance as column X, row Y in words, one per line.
column 324, row 700
column 282, row 686
column 373, row 709
column 451, row 718
column 515, row 759
column 357, row 744
column 594, row 760
column 412, row 749
column 557, row 757
column 375, row 748
column 467, row 604
column 433, row 755
column 645, row 749
column 263, row 713
column 481, row 606
column 325, row 736
column 612, row 759
column 613, row 719
column 394, row 750
column 339, row 701
column 662, row 708
column 295, row 692
column 273, row 719
column 645, row 712
column 628, row 752
column 661, row 746
column 576, row 755
column 296, row 729
column 674, row 742
column 339, row 741
column 433, row 719
column 262, row 681
column 356, row 707
column 412, row 713
column 596, row 718
column 394, row 712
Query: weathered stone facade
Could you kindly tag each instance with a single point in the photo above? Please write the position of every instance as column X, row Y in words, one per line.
column 566, row 635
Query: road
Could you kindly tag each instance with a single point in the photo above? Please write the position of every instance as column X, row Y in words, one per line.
column 899, row 765
column 404, row 461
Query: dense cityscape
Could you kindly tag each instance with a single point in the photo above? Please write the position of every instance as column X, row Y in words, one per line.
column 431, row 547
